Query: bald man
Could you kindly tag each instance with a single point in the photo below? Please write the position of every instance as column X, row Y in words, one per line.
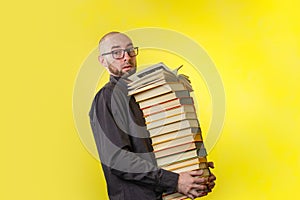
column 123, row 142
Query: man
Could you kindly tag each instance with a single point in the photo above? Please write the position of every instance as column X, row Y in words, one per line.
column 123, row 143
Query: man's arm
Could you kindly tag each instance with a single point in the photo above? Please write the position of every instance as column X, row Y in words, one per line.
column 116, row 151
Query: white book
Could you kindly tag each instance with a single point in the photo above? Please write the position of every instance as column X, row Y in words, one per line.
column 186, row 163
column 167, row 105
column 175, row 135
column 163, row 89
column 206, row 171
column 163, row 98
column 147, row 71
column 172, row 119
column 169, row 113
column 152, row 78
column 149, row 86
column 177, row 141
column 174, row 127
column 177, row 149
column 176, row 157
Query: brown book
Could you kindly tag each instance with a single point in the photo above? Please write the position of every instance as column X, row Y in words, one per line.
column 163, row 89
column 167, row 105
column 177, row 141
column 163, row 98
column 177, row 149
column 188, row 123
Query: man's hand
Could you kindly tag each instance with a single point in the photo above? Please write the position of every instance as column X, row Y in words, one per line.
column 211, row 178
column 191, row 185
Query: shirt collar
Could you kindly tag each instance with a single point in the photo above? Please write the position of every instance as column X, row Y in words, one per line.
column 114, row 78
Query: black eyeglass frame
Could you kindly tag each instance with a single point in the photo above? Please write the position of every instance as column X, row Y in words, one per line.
column 128, row 50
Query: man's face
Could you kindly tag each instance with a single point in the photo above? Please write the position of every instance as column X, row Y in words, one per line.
column 117, row 67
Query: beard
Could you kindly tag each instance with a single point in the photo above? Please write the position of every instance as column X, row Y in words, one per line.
column 118, row 72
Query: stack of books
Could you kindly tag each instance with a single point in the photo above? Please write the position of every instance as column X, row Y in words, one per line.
column 170, row 115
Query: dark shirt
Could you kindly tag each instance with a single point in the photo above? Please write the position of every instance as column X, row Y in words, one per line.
column 124, row 146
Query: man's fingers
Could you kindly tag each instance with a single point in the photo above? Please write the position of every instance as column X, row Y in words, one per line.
column 211, row 185
column 195, row 193
column 198, row 193
column 211, row 178
column 193, row 185
column 211, row 165
column 201, row 180
column 199, row 187
column 202, row 193
column 196, row 172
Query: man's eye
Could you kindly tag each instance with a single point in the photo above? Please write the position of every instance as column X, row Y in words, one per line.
column 117, row 52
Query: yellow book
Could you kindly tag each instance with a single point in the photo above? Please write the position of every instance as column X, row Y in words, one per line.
column 172, row 119
column 184, row 124
column 178, row 141
column 186, row 163
column 163, row 98
column 168, row 105
column 163, row 89
column 177, row 149
column 175, row 135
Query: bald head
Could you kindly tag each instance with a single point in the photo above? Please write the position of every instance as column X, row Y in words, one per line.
column 111, row 38
column 117, row 42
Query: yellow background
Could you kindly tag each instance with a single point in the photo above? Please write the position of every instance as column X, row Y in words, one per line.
column 255, row 46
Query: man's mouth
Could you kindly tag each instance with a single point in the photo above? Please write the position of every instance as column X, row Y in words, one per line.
column 126, row 68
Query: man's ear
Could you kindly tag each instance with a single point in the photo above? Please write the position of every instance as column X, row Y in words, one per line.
column 102, row 61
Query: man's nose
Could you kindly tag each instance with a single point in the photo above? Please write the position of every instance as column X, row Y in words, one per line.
column 126, row 56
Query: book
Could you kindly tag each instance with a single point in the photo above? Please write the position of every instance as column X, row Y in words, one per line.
column 152, row 79
column 173, row 196
column 172, row 119
column 149, row 85
column 178, row 141
column 148, row 71
column 193, row 161
column 206, row 171
column 163, row 98
column 188, row 123
column 175, row 135
column 177, row 149
column 162, row 89
column 167, row 105
column 159, row 73
column 179, row 157
column 170, row 113
column 170, row 116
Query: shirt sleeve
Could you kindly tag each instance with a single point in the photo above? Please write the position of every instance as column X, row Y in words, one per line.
column 123, row 144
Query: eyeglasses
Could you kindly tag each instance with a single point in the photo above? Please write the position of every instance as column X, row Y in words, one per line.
column 120, row 53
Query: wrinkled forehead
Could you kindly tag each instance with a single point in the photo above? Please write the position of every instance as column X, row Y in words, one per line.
column 115, row 41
